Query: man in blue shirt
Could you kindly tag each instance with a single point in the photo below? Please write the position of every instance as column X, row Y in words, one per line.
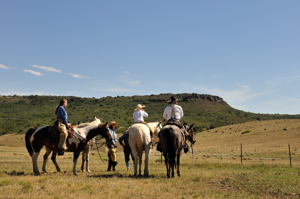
column 112, row 146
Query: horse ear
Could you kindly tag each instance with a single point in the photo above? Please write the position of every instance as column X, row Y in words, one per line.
column 191, row 126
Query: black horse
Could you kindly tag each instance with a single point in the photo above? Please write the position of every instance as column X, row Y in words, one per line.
column 172, row 140
column 42, row 136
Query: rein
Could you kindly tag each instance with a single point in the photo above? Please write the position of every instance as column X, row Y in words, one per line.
column 98, row 149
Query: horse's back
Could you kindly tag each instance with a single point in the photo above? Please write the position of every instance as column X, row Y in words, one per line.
column 139, row 136
column 170, row 137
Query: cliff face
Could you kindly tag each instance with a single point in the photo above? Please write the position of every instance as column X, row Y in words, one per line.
column 211, row 98
column 185, row 97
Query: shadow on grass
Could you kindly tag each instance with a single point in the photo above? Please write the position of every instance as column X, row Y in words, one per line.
column 119, row 175
column 16, row 173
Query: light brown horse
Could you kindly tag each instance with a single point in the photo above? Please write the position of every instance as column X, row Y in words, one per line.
column 139, row 141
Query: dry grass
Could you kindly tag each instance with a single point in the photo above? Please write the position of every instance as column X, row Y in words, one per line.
column 216, row 176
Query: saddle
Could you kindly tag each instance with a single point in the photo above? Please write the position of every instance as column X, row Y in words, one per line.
column 179, row 125
column 151, row 132
column 54, row 135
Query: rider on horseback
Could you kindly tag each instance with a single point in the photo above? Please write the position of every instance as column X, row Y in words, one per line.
column 138, row 117
column 173, row 114
column 62, row 125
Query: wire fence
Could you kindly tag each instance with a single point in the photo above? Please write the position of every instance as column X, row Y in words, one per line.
column 246, row 155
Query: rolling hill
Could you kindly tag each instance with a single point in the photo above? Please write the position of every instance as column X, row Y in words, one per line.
column 19, row 113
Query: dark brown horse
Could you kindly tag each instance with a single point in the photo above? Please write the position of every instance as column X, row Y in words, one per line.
column 171, row 140
column 37, row 138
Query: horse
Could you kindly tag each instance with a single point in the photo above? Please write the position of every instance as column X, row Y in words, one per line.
column 85, row 156
column 139, row 141
column 171, row 141
column 37, row 138
column 86, row 150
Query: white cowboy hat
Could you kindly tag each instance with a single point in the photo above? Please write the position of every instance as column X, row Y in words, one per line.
column 138, row 107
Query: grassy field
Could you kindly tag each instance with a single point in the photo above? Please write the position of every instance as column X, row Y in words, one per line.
column 213, row 171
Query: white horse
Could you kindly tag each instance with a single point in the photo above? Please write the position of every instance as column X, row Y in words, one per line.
column 139, row 141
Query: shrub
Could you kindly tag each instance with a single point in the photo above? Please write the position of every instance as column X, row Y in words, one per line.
column 244, row 132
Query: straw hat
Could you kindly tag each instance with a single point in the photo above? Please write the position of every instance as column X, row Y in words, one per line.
column 172, row 100
column 112, row 123
column 138, row 107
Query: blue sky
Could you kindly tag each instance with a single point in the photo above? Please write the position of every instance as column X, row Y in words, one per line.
column 247, row 52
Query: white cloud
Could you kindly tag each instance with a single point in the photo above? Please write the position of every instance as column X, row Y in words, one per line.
column 126, row 72
column 48, row 69
column 4, row 67
column 76, row 75
column 34, row 72
column 237, row 96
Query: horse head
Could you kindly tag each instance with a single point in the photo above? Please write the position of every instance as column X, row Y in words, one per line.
column 191, row 135
column 105, row 131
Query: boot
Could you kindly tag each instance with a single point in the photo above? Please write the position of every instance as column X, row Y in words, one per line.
column 109, row 166
column 114, row 163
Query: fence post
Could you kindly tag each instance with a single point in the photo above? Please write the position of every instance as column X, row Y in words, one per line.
column 290, row 156
column 241, row 154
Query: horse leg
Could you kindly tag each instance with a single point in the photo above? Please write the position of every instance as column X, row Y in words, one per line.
column 172, row 166
column 53, row 158
column 87, row 161
column 166, row 163
column 173, row 162
column 134, row 153
column 48, row 151
column 83, row 160
column 140, row 156
column 76, row 155
column 147, row 150
column 178, row 163
column 34, row 157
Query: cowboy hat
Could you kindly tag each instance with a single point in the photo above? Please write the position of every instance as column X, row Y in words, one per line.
column 112, row 123
column 172, row 100
column 138, row 107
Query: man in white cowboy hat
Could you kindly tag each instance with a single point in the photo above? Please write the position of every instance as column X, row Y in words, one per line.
column 138, row 117
column 139, row 113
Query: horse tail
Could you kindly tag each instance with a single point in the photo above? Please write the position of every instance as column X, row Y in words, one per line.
column 27, row 140
column 171, row 145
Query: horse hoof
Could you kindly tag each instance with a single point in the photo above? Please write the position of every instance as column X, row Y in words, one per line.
column 37, row 174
